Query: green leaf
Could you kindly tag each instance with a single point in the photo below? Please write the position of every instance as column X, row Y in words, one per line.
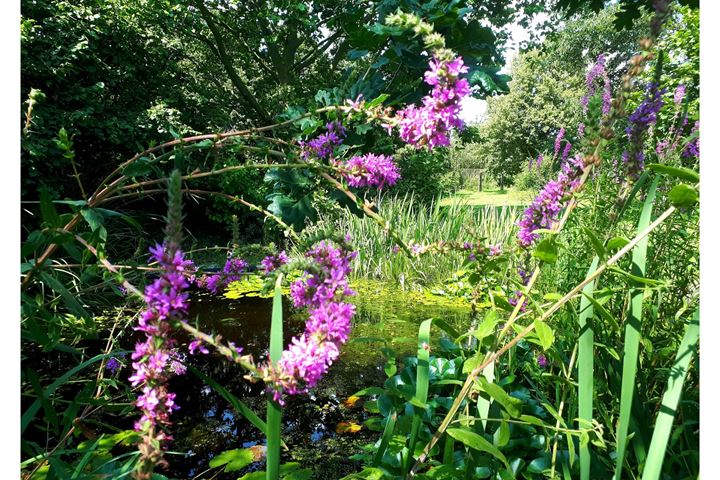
column 487, row 327
column 546, row 251
column 632, row 334
column 483, row 404
column 141, row 167
column 585, row 364
column 532, row 420
column 386, row 437
column 47, row 210
column 93, row 218
column 274, row 412
column 616, row 243
column 259, row 475
column 470, row 364
column 545, row 333
column 477, row 442
column 510, row 404
column 683, row 195
column 377, row 100
column 677, row 172
column 669, row 405
column 502, row 435
column 302, row 474
column 597, row 244
column 69, row 298
column 233, row 460
column 422, row 386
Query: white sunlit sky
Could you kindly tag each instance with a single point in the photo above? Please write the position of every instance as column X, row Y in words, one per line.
column 473, row 109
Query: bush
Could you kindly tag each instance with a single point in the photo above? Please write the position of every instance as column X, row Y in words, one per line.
column 425, row 174
column 535, row 177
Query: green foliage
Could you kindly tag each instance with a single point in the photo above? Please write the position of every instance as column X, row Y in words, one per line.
column 422, row 224
column 427, row 175
column 545, row 91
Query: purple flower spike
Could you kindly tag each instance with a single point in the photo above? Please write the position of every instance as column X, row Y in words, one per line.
column 598, row 71
column 166, row 303
column 639, row 122
column 231, row 272
column 430, row 124
column 558, row 139
column 273, row 262
column 323, row 145
column 370, row 170
column 679, row 94
column 692, row 149
column 310, row 356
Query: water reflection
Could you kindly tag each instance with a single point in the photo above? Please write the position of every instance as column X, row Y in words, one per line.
column 207, row 425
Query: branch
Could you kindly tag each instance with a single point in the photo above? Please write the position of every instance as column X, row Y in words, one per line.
column 227, row 63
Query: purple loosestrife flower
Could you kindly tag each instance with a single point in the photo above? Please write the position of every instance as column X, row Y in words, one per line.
column 644, row 116
column 541, row 213
column 197, row 344
column 692, row 149
column 515, row 297
column 598, row 71
column 273, row 262
column 546, row 207
column 524, row 275
column 166, row 303
column 233, row 269
column 231, row 272
column 679, row 95
column 322, row 289
column 430, row 124
column 558, row 139
column 177, row 367
column 566, row 151
column 370, row 170
column 581, row 130
column 539, row 161
column 323, row 145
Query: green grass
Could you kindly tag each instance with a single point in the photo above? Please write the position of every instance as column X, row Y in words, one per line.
column 495, row 197
column 422, row 224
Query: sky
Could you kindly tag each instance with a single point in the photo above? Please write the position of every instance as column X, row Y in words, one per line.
column 474, row 109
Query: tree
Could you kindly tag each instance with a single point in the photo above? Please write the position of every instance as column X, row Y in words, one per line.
column 548, row 83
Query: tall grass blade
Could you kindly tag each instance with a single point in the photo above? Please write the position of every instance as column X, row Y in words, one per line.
column 422, row 385
column 35, row 406
column 632, row 333
column 671, row 398
column 386, row 437
column 274, row 412
column 585, row 366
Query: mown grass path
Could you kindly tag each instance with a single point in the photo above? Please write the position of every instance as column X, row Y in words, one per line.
column 495, row 197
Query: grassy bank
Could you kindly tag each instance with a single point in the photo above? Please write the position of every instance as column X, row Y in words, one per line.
column 418, row 224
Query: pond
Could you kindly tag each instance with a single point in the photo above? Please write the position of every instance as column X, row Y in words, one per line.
column 207, row 425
